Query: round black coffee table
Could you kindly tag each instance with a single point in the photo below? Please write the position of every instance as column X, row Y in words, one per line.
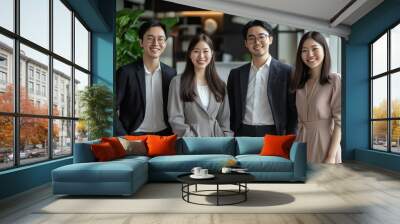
column 238, row 179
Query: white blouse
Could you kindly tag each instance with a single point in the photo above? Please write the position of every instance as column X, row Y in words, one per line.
column 204, row 94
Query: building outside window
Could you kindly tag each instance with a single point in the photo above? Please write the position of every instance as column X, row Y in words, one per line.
column 3, row 78
column 385, row 94
column 57, row 133
column 30, row 87
column 30, row 72
column 3, row 72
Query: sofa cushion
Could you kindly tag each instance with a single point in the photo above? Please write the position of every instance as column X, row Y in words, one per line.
column 277, row 145
column 249, row 145
column 133, row 147
column 111, row 171
column 185, row 163
column 161, row 145
column 257, row 163
column 206, row 145
column 116, row 145
column 136, row 137
column 103, row 151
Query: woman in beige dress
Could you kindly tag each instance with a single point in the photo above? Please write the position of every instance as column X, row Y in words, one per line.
column 318, row 100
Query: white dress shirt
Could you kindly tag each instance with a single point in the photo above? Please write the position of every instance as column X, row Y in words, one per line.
column 204, row 95
column 154, row 113
column 258, row 110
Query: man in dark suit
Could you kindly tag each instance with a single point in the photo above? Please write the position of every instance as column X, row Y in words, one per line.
column 142, row 87
column 259, row 96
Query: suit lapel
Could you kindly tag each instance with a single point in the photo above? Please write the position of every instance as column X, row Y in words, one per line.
column 212, row 105
column 273, row 73
column 244, row 83
column 198, row 101
column 164, row 81
column 140, row 75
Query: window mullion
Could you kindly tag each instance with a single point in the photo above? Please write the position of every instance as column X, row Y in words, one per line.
column 73, row 82
column 16, row 70
column 50, row 81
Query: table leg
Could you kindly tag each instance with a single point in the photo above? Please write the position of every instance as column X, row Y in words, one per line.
column 245, row 191
column 217, row 194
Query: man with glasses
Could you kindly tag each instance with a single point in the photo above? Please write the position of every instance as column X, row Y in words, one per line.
column 142, row 87
column 259, row 97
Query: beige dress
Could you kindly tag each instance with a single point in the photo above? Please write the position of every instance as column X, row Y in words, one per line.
column 317, row 115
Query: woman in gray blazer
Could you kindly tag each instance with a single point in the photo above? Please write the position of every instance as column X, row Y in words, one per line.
column 197, row 101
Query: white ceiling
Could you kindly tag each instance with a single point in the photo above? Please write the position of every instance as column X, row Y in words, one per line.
column 321, row 15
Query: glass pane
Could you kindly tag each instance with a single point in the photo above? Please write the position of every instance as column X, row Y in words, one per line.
column 81, row 131
column 395, row 138
column 62, row 29
column 379, row 55
column 62, row 141
column 35, row 21
column 6, row 142
column 379, row 98
column 81, row 81
column 81, row 45
column 34, row 97
column 6, row 74
column 395, row 94
column 62, row 89
column 395, row 47
column 33, row 139
column 379, row 135
column 7, row 14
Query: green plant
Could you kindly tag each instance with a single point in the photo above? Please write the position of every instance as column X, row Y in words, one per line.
column 127, row 35
column 96, row 104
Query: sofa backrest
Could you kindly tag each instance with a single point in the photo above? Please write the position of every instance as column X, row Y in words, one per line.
column 249, row 145
column 206, row 145
column 83, row 153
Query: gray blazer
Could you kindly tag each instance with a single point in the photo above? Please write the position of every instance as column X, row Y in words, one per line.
column 192, row 119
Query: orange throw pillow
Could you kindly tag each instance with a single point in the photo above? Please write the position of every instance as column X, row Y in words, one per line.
column 103, row 151
column 161, row 145
column 116, row 145
column 136, row 137
column 277, row 145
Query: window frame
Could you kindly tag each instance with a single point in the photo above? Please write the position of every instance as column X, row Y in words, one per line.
column 388, row 74
column 51, row 118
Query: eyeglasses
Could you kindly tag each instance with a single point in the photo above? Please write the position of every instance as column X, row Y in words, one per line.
column 262, row 37
column 152, row 39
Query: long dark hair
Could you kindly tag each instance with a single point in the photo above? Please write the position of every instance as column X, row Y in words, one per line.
column 188, row 83
column 301, row 75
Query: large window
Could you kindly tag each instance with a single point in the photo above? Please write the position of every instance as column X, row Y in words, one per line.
column 385, row 91
column 44, row 64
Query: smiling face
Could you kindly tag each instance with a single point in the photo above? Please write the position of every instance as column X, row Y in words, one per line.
column 201, row 55
column 312, row 53
column 258, row 41
column 154, row 42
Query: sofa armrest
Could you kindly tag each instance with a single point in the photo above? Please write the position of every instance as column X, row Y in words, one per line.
column 298, row 155
column 83, row 152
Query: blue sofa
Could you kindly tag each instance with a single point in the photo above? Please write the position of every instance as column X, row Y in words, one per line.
column 125, row 176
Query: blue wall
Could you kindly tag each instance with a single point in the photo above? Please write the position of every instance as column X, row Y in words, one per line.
column 99, row 16
column 356, row 127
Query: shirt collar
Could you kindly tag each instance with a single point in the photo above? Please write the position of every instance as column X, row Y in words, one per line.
column 155, row 71
column 266, row 64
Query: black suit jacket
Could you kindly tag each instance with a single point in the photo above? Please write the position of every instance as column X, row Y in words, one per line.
column 281, row 100
column 131, row 95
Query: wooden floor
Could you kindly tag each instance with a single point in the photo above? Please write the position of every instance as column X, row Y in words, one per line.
column 377, row 188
